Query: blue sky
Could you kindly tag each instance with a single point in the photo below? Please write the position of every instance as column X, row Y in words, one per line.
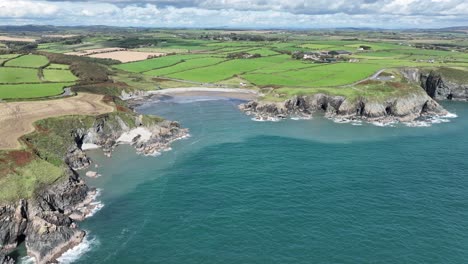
column 239, row 13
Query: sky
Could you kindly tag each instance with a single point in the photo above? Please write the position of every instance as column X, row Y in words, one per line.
column 238, row 13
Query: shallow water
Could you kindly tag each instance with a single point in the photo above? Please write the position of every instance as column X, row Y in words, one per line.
column 305, row 191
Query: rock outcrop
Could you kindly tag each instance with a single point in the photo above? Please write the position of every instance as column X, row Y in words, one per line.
column 45, row 223
column 107, row 130
column 404, row 109
column 436, row 85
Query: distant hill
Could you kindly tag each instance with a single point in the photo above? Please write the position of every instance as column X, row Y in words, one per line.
column 454, row 29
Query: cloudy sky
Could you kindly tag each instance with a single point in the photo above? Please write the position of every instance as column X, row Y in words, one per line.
column 239, row 13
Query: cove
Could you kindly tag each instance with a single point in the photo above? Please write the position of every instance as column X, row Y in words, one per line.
column 295, row 191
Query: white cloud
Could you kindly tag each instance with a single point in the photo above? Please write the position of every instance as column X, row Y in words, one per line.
column 239, row 13
column 25, row 8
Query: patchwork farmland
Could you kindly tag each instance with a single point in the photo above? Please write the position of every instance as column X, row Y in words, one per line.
column 32, row 76
column 274, row 66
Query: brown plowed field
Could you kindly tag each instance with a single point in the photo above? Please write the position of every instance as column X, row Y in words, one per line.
column 17, row 118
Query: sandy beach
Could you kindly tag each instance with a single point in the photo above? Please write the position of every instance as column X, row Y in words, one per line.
column 234, row 93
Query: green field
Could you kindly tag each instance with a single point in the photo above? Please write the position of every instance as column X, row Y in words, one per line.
column 214, row 57
column 23, row 77
column 58, row 66
column 281, row 70
column 151, row 64
column 32, row 61
column 184, row 66
column 8, row 56
column 12, row 91
column 59, row 76
column 18, row 75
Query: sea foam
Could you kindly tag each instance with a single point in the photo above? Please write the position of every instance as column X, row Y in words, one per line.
column 78, row 251
column 95, row 205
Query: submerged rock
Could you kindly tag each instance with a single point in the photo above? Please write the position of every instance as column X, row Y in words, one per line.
column 92, row 174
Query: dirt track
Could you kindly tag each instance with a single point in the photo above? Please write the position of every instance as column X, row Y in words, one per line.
column 17, row 118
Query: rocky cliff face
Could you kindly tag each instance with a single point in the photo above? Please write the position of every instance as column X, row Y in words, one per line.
column 436, row 85
column 106, row 133
column 46, row 224
column 404, row 109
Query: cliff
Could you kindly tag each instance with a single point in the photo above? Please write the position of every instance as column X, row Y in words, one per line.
column 404, row 108
column 441, row 83
column 47, row 222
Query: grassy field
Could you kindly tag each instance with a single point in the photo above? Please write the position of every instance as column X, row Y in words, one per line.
column 22, row 91
column 184, row 66
column 25, row 173
column 22, row 77
column 280, row 70
column 202, row 55
column 58, row 66
column 59, row 76
column 18, row 75
column 32, row 61
column 151, row 64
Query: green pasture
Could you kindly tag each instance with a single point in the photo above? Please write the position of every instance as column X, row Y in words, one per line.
column 18, row 75
column 147, row 65
column 59, row 76
column 227, row 69
column 58, row 66
column 8, row 56
column 22, row 77
column 21, row 91
column 31, row 61
column 184, row 66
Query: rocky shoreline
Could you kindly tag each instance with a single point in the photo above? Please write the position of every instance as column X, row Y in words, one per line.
column 47, row 223
column 405, row 109
column 409, row 108
column 436, row 85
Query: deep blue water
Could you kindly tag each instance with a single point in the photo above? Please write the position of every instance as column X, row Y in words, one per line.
column 308, row 191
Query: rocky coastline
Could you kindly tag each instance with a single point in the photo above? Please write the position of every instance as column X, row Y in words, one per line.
column 47, row 223
column 402, row 109
column 416, row 105
column 436, row 85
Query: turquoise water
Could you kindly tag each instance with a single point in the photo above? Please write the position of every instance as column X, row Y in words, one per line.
column 307, row 191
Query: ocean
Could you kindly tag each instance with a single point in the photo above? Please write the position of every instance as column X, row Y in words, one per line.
column 295, row 191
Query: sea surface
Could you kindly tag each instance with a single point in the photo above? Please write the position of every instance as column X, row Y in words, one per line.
column 295, row 191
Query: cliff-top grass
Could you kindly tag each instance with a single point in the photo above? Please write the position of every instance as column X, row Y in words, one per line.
column 20, row 179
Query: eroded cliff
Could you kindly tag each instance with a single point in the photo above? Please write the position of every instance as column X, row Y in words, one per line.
column 403, row 109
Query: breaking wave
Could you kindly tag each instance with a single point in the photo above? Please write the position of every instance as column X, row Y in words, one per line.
column 78, row 251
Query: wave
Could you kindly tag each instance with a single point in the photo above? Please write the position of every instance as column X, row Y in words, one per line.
column 268, row 119
column 305, row 117
column 384, row 124
column 347, row 121
column 27, row 260
column 429, row 121
column 95, row 206
column 79, row 250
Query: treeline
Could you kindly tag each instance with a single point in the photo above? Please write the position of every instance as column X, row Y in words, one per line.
column 89, row 70
column 239, row 37
column 132, row 43
column 65, row 41
column 20, row 46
